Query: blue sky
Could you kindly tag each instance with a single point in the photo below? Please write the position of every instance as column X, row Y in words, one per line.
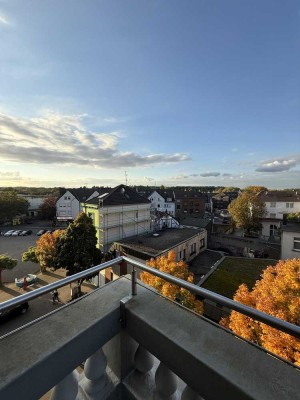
column 172, row 92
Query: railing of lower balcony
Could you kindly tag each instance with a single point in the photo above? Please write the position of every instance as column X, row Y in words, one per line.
column 224, row 301
column 93, row 383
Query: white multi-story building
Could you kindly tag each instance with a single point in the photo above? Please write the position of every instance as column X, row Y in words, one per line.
column 278, row 203
column 68, row 206
column 290, row 241
column 117, row 214
column 163, row 201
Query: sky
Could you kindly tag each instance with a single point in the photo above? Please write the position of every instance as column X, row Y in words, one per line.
column 158, row 92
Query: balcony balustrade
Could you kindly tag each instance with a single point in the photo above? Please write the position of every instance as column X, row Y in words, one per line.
column 135, row 344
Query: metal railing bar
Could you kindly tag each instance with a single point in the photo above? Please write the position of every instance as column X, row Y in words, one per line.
column 224, row 301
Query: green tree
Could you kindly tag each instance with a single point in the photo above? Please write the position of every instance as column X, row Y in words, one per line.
column 30, row 255
column 11, row 205
column 6, row 262
column 48, row 208
column 247, row 210
column 77, row 247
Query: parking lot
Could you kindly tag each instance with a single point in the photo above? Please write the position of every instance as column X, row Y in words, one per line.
column 14, row 246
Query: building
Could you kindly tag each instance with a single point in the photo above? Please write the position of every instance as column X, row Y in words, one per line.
column 71, row 202
column 35, row 201
column 136, row 344
column 190, row 202
column 118, row 213
column 223, row 199
column 279, row 203
column 290, row 241
column 187, row 243
column 162, row 200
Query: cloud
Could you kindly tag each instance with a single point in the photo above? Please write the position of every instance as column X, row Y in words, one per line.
column 278, row 165
column 209, row 174
column 3, row 20
column 63, row 140
column 148, row 179
column 226, row 174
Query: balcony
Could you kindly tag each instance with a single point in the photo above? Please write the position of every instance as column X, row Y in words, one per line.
column 135, row 344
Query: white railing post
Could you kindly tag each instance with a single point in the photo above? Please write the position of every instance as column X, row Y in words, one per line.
column 166, row 383
column 190, row 394
column 67, row 388
column 95, row 380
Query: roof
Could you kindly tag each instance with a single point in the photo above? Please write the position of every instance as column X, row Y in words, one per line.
column 198, row 222
column 188, row 194
column 280, row 195
column 156, row 245
column 120, row 195
column 291, row 227
column 81, row 194
column 165, row 193
column 203, row 262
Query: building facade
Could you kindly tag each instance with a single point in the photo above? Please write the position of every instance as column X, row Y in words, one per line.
column 71, row 202
column 118, row 214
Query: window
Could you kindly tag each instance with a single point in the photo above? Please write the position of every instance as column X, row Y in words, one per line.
column 193, row 248
column 178, row 206
column 67, row 198
column 289, row 205
column 296, row 244
column 202, row 243
column 273, row 204
column 273, row 230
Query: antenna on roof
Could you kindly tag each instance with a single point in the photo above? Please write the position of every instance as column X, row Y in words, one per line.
column 126, row 177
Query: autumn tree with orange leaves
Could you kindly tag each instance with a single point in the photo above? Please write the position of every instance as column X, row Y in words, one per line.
column 179, row 269
column 45, row 251
column 277, row 294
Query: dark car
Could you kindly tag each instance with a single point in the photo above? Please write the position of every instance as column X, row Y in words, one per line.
column 6, row 315
column 26, row 233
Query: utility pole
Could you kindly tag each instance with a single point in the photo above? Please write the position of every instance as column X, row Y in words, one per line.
column 126, row 177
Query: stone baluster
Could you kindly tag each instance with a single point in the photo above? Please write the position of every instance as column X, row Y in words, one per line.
column 166, row 384
column 95, row 379
column 67, row 388
column 143, row 360
column 190, row 394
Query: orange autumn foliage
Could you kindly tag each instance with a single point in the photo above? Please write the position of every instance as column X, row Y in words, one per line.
column 46, row 249
column 179, row 269
column 277, row 294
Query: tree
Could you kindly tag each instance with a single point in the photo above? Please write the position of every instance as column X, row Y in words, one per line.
column 76, row 248
column 30, row 255
column 6, row 262
column 277, row 294
column 255, row 189
column 48, row 208
column 179, row 269
column 46, row 249
column 247, row 210
column 11, row 205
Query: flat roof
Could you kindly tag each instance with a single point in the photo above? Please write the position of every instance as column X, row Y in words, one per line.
column 155, row 245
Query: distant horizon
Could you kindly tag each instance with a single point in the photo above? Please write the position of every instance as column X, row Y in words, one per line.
column 158, row 92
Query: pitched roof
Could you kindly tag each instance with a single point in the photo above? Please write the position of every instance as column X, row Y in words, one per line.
column 280, row 195
column 81, row 194
column 120, row 195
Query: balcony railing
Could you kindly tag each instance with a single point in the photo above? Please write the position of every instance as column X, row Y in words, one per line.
column 138, row 345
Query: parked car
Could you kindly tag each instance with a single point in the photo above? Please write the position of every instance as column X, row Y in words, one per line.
column 8, row 233
column 20, row 309
column 41, row 232
column 16, row 233
column 26, row 233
